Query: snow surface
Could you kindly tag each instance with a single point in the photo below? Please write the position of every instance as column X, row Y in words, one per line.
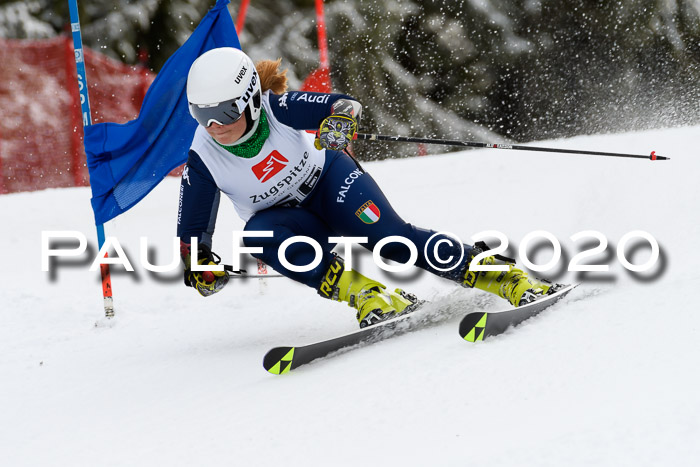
column 610, row 377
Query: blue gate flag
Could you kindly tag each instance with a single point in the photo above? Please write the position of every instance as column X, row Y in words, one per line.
column 126, row 161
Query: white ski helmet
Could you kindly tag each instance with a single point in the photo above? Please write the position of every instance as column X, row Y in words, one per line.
column 222, row 85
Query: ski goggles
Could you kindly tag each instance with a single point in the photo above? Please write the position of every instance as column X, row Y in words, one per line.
column 223, row 113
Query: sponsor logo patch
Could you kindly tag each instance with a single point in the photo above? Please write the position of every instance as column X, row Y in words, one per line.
column 317, row 98
column 368, row 213
column 242, row 102
column 295, row 172
column 241, row 74
column 186, row 174
column 270, row 166
column 329, row 285
column 349, row 180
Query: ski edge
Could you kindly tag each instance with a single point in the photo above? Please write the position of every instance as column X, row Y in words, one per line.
column 472, row 328
column 280, row 360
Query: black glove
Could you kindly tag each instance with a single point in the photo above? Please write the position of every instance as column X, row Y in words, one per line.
column 205, row 282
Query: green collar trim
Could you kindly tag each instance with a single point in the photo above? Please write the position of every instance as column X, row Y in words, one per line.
column 252, row 146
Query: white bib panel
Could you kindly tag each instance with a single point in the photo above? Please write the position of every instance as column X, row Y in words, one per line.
column 282, row 174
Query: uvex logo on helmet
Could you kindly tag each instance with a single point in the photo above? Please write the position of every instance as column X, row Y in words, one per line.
column 270, row 166
column 241, row 74
column 243, row 101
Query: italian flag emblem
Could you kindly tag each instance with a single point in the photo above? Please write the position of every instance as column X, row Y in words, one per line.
column 368, row 213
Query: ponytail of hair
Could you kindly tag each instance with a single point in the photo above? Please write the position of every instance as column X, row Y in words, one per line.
column 271, row 77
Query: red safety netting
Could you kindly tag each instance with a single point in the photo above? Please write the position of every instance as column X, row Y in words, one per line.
column 41, row 126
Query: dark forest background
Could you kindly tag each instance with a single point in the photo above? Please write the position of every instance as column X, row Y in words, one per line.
column 516, row 70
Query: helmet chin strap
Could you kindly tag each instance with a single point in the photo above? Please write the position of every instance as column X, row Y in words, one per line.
column 249, row 130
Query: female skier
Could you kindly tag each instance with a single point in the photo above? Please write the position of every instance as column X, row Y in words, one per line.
column 251, row 144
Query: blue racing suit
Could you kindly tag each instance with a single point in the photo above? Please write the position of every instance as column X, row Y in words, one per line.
column 345, row 201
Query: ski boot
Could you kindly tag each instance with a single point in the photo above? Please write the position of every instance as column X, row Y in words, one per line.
column 373, row 302
column 514, row 284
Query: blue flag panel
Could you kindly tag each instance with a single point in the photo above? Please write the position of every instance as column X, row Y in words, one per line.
column 126, row 161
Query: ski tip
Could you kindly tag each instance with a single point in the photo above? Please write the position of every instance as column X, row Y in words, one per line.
column 565, row 290
column 278, row 361
column 473, row 327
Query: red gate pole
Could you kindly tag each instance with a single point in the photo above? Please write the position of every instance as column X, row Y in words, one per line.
column 240, row 20
column 3, row 189
column 322, row 39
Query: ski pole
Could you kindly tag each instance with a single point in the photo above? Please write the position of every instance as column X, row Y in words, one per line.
column 255, row 276
column 471, row 144
column 243, row 274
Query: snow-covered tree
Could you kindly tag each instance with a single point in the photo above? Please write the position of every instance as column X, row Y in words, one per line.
column 522, row 69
